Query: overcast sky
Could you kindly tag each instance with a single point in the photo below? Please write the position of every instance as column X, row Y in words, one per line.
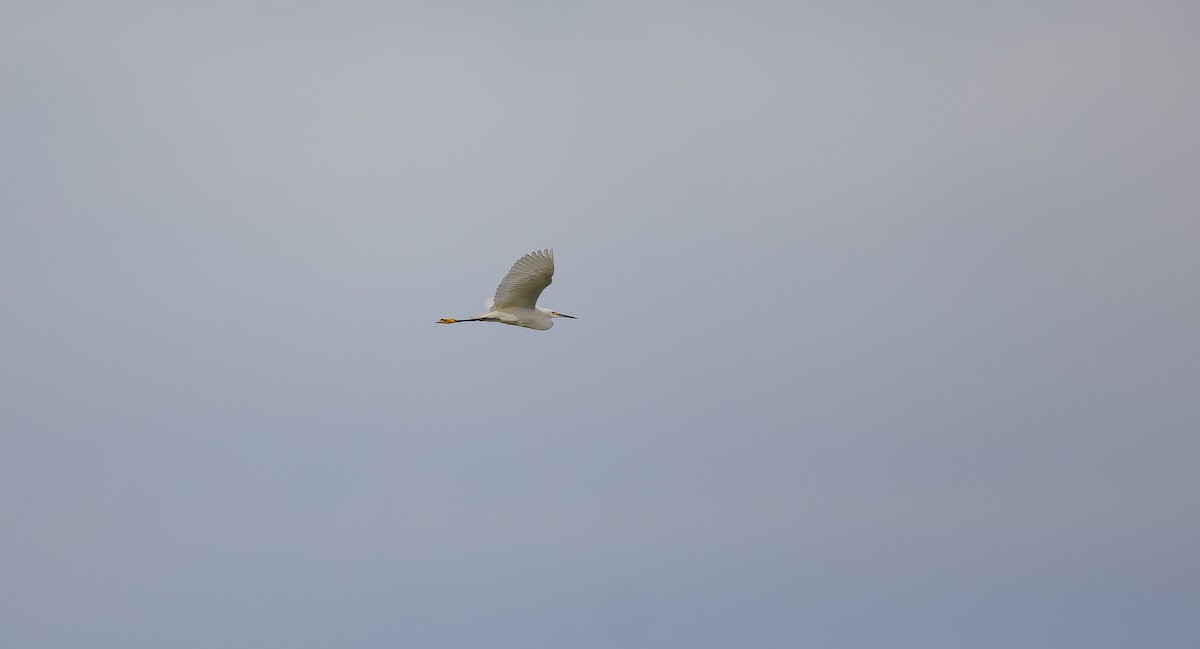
column 886, row 337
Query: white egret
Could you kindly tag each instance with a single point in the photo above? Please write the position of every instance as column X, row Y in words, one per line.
column 516, row 297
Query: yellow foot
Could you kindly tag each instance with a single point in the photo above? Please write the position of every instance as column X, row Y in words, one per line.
column 447, row 321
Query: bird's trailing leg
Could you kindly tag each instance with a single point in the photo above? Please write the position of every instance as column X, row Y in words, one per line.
column 452, row 320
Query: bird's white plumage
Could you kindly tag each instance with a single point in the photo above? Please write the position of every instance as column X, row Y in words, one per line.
column 525, row 281
column 515, row 302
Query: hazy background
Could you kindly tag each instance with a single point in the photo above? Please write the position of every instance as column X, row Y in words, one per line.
column 887, row 326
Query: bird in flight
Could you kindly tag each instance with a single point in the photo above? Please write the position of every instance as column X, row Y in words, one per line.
column 516, row 297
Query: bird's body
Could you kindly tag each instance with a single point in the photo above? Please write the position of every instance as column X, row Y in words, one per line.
column 516, row 298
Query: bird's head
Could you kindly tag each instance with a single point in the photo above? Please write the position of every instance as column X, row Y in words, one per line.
column 555, row 314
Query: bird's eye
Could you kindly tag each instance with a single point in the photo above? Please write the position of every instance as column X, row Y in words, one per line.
column 554, row 313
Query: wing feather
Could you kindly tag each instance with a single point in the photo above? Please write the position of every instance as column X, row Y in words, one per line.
column 525, row 282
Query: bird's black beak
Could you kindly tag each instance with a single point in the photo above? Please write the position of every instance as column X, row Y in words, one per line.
column 563, row 315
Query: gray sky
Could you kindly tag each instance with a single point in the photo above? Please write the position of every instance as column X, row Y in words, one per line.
column 886, row 337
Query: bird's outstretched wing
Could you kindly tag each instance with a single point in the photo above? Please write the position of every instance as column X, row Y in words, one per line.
column 526, row 280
